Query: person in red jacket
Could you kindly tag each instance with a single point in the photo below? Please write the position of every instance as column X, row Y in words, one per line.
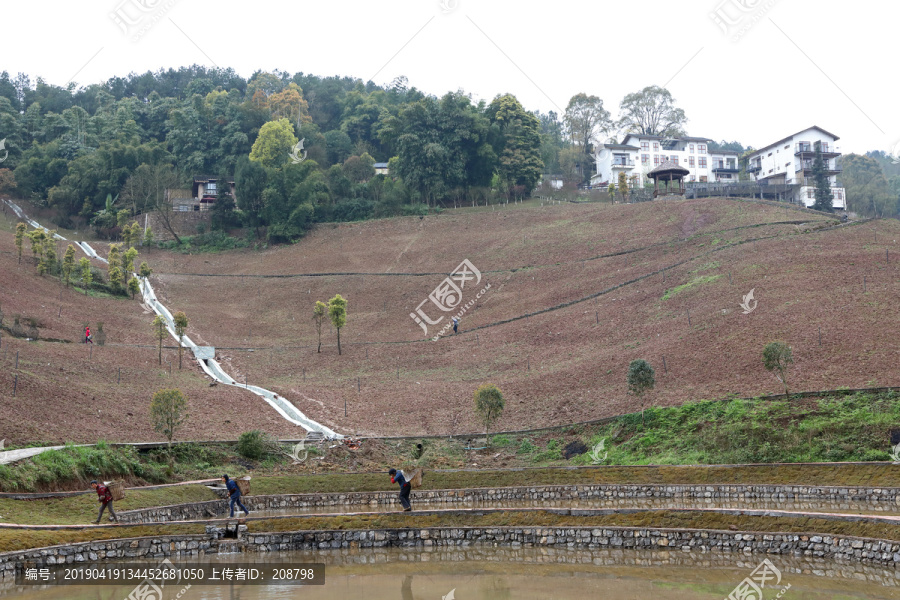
column 105, row 499
column 405, row 487
column 87, row 335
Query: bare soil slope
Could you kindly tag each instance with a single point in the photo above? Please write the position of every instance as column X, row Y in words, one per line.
column 558, row 366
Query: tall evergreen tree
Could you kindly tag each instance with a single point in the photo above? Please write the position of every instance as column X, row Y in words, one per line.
column 824, row 197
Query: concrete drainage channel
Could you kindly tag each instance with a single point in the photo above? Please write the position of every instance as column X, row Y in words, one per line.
column 209, row 364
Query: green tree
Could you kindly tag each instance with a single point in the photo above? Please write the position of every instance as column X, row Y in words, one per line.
column 824, row 197
column 651, row 111
column 489, row 405
column 274, row 143
column 21, row 228
column 36, row 237
column 518, row 145
column 623, row 185
column 148, row 236
column 86, row 276
column 48, row 261
column 585, row 118
column 320, row 310
column 777, row 358
column 249, row 185
column 866, row 188
column 144, row 271
column 160, row 331
column 134, row 287
column 114, row 268
column 68, row 263
column 641, row 379
column 181, row 322
column 128, row 261
column 337, row 312
column 168, row 412
column 611, row 190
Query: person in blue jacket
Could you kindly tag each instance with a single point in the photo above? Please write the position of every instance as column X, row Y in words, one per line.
column 398, row 478
column 234, row 492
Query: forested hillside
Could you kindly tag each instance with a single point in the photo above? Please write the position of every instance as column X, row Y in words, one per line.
column 130, row 138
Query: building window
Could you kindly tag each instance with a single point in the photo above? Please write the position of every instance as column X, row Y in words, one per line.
column 656, row 146
column 645, row 146
column 787, row 146
column 701, row 149
column 702, row 160
column 691, row 161
column 810, row 192
column 674, row 159
column 656, row 160
column 769, row 154
column 645, row 159
column 211, row 187
column 691, row 146
column 839, row 194
column 787, row 164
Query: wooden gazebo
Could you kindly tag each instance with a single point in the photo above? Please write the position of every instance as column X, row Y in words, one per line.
column 668, row 172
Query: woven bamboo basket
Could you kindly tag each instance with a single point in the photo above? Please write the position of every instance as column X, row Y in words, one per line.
column 244, row 485
column 117, row 489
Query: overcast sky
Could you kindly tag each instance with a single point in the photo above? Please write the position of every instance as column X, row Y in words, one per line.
column 767, row 69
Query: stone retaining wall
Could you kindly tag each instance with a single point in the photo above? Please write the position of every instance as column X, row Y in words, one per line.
column 122, row 549
column 809, row 545
column 631, row 495
column 616, row 538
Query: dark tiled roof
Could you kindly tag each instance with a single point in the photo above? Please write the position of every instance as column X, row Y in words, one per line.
column 783, row 140
column 669, row 167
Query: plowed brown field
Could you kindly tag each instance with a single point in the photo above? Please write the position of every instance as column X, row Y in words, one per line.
column 560, row 366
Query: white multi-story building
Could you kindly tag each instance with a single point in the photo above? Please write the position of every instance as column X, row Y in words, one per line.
column 789, row 161
column 639, row 154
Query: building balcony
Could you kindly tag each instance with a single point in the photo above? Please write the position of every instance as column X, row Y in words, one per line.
column 803, row 149
column 725, row 168
column 806, row 168
column 622, row 164
column 751, row 168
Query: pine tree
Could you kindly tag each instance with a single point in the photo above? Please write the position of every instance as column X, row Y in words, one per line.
column 181, row 322
column 68, row 263
column 36, row 237
column 114, row 269
column 129, row 257
column 824, row 198
column 20, row 237
column 623, row 185
column 48, row 256
column 134, row 287
column 86, row 276
column 148, row 236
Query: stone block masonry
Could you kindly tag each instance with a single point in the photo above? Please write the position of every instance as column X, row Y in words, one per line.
column 630, row 496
